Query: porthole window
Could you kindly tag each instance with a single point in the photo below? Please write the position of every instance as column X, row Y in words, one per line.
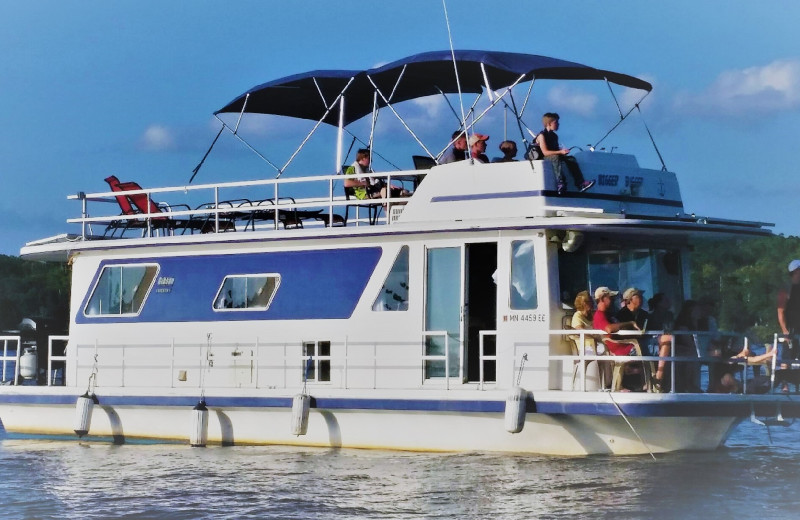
column 121, row 290
column 247, row 292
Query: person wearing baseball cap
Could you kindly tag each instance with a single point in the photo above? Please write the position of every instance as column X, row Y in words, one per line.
column 632, row 308
column 477, row 147
column 604, row 320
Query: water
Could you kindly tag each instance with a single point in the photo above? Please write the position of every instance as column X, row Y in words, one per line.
column 756, row 475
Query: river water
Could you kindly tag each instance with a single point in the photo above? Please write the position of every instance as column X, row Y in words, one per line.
column 756, row 475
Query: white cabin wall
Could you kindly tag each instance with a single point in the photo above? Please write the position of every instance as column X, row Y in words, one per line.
column 523, row 333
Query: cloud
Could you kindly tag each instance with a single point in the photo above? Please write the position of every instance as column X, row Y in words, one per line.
column 770, row 88
column 563, row 98
column 157, row 138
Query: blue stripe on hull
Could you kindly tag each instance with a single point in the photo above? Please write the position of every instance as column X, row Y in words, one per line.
column 314, row 285
column 656, row 408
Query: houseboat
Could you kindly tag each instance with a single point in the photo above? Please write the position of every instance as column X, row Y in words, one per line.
column 285, row 310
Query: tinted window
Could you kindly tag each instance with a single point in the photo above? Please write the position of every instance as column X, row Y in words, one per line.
column 121, row 290
column 246, row 292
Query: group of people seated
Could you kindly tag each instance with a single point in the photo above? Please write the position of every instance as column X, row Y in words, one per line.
column 546, row 146
column 602, row 313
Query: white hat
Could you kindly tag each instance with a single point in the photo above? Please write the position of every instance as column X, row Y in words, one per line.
column 604, row 291
column 631, row 292
column 794, row 265
column 474, row 138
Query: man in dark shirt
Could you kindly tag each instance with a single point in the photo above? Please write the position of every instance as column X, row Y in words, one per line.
column 457, row 152
column 632, row 310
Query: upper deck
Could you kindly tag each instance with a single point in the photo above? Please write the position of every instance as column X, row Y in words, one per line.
column 447, row 196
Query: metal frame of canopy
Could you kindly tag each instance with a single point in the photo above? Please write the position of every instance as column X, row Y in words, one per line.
column 315, row 95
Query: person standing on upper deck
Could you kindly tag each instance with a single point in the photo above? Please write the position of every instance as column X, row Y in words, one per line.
column 457, row 152
column 477, row 148
column 547, row 141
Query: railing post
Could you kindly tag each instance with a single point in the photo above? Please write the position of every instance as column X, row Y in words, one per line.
column 216, row 209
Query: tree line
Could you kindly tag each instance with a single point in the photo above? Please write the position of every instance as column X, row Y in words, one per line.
column 742, row 275
column 36, row 290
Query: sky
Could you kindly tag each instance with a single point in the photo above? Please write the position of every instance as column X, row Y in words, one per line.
column 93, row 88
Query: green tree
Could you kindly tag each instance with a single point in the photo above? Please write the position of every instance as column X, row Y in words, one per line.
column 33, row 289
column 744, row 277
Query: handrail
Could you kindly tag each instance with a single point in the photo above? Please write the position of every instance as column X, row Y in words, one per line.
column 6, row 358
column 582, row 356
column 445, row 357
column 323, row 184
column 482, row 356
column 51, row 358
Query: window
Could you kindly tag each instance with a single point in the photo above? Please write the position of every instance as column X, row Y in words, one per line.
column 651, row 270
column 121, row 290
column 247, row 292
column 394, row 293
column 317, row 361
column 523, row 276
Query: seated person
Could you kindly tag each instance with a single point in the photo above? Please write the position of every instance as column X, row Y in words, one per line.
column 721, row 375
column 582, row 319
column 547, row 141
column 458, row 151
column 477, row 148
column 509, row 149
column 365, row 187
column 602, row 320
column 631, row 309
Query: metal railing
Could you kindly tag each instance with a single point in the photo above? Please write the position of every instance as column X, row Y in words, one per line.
column 740, row 364
column 482, row 356
column 6, row 359
column 217, row 206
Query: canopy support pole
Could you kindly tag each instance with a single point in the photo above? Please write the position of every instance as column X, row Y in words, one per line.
column 200, row 164
column 237, row 136
column 340, row 137
column 622, row 118
column 399, row 118
column 328, row 109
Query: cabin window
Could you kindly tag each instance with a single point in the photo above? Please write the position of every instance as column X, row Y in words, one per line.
column 523, row 276
column 651, row 270
column 394, row 292
column 317, row 361
column 121, row 290
column 250, row 292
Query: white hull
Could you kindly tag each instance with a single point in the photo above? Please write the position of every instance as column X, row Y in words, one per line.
column 413, row 430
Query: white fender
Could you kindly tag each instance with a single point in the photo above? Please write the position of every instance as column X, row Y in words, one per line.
column 300, row 407
column 199, row 433
column 83, row 413
column 516, row 407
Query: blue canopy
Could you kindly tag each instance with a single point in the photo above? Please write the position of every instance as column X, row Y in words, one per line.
column 420, row 75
